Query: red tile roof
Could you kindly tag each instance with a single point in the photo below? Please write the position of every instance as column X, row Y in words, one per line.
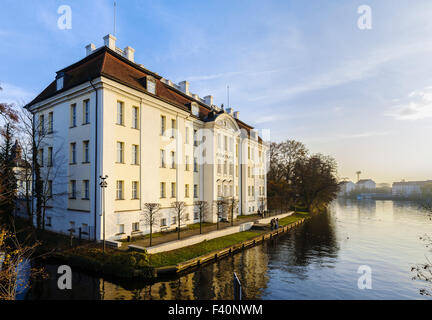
column 108, row 63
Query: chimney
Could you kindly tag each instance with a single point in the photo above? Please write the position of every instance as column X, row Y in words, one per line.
column 236, row 114
column 208, row 100
column 90, row 48
column 110, row 41
column 195, row 96
column 184, row 86
column 129, row 53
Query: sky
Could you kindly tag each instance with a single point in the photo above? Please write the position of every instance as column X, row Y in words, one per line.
column 303, row 70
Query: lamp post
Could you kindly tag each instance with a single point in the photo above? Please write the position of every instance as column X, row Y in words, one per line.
column 103, row 184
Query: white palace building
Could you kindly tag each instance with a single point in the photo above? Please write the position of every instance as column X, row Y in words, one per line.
column 155, row 140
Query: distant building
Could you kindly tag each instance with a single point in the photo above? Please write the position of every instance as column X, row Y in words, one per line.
column 366, row 184
column 408, row 188
column 346, row 187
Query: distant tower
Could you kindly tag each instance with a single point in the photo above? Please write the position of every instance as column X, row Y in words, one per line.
column 358, row 173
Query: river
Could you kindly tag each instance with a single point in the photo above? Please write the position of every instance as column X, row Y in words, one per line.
column 318, row 260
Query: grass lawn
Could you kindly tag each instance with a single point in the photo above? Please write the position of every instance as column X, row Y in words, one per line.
column 183, row 254
column 293, row 218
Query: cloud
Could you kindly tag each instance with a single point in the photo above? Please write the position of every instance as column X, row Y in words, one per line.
column 14, row 94
column 417, row 106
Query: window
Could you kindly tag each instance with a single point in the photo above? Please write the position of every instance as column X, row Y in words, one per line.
column 187, row 135
column 134, row 154
column 41, row 157
column 173, row 162
column 195, row 136
column 226, row 143
column 219, row 167
column 86, row 111
column 135, row 227
column 151, row 86
column 119, row 190
column 86, row 155
column 120, row 113
column 50, row 122
column 237, row 153
column 163, row 125
column 73, row 153
column 196, row 215
column 72, row 190
column 237, row 171
column 187, row 163
column 173, row 190
column 86, row 188
column 173, row 127
column 72, row 226
column 248, row 172
column 174, row 220
column 219, row 191
column 195, row 164
column 231, row 169
column 134, row 189
column 162, row 158
column 135, row 117
column 121, row 228
column 120, row 152
column 50, row 156
column 225, row 167
column 195, row 191
column 249, row 191
column 253, row 191
column 219, row 140
column 48, row 223
column 248, row 152
column 50, row 189
column 237, row 191
column 186, row 191
column 231, row 144
column 41, row 124
column 163, row 222
column 162, row 190
column 73, row 115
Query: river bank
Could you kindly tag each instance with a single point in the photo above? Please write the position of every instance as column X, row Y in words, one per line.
column 130, row 264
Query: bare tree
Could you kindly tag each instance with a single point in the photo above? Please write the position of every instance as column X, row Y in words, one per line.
column 232, row 205
column 221, row 207
column 262, row 202
column 13, row 255
column 36, row 134
column 180, row 210
column 202, row 210
column 150, row 215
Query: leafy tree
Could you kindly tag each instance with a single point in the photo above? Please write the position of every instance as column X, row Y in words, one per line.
column 315, row 181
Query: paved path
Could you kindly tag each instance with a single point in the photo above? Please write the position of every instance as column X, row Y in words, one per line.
column 171, row 236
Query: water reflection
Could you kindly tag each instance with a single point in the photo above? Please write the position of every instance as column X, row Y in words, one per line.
column 318, row 260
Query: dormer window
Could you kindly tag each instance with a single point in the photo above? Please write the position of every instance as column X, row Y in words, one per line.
column 60, row 81
column 151, row 85
column 195, row 109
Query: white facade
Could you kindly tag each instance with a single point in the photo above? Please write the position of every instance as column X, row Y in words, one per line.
column 408, row 188
column 151, row 149
column 366, row 185
column 346, row 187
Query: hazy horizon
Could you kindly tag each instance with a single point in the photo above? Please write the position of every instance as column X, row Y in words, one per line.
column 306, row 72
